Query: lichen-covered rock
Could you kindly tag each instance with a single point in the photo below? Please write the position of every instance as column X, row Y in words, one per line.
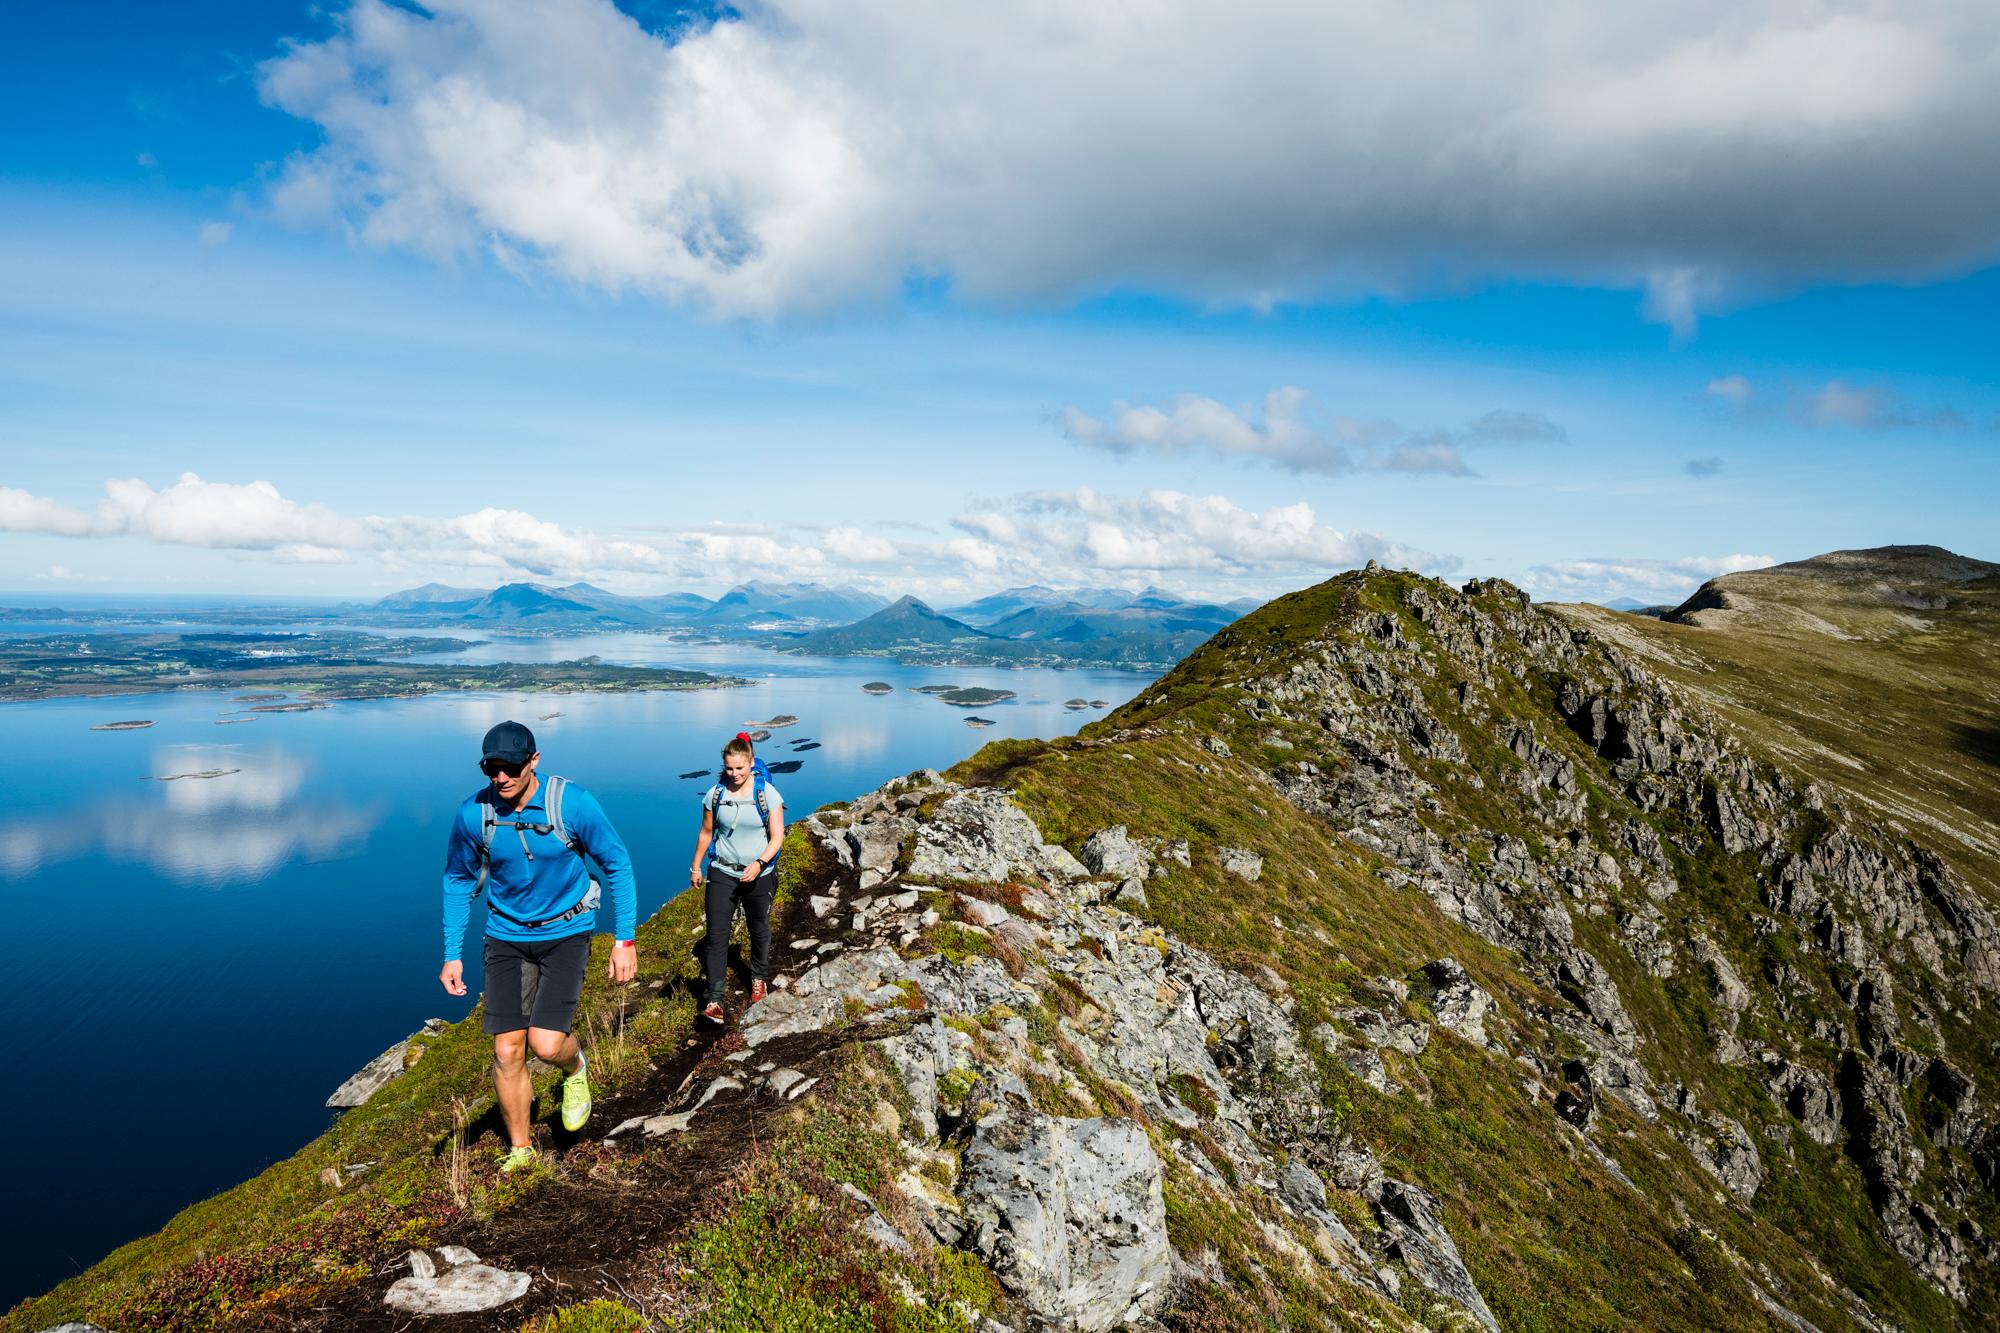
column 1241, row 862
column 1111, row 851
column 1068, row 1213
column 1414, row 1236
column 466, row 1286
column 384, row 1069
column 1724, row 1149
column 1460, row 1005
column 981, row 835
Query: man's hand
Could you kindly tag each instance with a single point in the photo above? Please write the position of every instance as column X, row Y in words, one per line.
column 452, row 977
column 694, row 876
column 624, row 962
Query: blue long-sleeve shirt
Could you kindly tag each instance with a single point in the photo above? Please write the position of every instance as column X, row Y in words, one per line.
column 534, row 890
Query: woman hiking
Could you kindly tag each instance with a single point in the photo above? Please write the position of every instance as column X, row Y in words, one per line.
column 743, row 817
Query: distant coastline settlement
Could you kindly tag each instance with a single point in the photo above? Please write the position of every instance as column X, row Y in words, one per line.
column 319, row 655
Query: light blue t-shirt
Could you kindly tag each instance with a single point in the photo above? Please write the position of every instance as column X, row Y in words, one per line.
column 740, row 836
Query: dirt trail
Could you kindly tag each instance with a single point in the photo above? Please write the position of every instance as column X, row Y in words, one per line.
column 615, row 1204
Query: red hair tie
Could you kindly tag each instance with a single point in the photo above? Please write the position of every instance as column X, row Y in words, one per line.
column 742, row 735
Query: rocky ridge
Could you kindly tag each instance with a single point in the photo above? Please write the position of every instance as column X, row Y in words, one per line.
column 1889, row 941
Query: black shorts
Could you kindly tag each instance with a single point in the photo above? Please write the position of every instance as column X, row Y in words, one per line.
column 534, row 984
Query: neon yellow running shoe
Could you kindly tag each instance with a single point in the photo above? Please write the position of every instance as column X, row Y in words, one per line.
column 517, row 1158
column 576, row 1097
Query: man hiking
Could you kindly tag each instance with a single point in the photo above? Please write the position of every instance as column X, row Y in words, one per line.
column 523, row 840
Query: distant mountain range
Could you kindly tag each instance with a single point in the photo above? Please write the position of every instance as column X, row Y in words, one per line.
column 1035, row 624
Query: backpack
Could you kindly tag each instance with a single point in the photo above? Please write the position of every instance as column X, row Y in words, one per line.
column 760, row 776
column 552, row 801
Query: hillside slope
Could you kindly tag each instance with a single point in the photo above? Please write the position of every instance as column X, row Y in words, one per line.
column 1876, row 672
column 1409, row 956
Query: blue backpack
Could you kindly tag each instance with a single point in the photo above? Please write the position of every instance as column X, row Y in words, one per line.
column 552, row 803
column 760, row 777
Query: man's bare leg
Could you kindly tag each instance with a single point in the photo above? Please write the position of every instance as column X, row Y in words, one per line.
column 510, row 1080
column 555, row 1048
column 510, row 1074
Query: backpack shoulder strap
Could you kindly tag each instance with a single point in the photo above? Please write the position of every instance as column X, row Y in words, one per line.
column 487, row 819
column 757, row 789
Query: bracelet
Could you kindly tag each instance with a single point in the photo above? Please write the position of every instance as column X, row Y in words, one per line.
column 623, row 944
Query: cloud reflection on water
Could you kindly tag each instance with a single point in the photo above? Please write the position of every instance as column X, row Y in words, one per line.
column 228, row 829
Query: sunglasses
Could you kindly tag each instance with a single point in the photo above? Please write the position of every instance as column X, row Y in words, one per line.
column 494, row 768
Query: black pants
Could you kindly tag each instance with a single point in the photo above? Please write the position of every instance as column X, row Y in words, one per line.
column 725, row 893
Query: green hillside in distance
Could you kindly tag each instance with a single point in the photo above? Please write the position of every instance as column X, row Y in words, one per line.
column 1409, row 956
column 1874, row 671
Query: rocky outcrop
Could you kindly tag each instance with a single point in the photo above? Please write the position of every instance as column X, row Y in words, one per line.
column 385, row 1068
column 1621, row 794
column 1068, row 1210
column 1068, row 1213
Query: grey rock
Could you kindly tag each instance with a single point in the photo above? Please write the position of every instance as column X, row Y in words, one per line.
column 920, row 1057
column 983, row 913
column 1725, row 1150
column 982, row 836
column 384, row 1069
column 461, row 1289
column 817, row 998
column 1387, row 1031
column 421, row 1264
column 1415, row 1237
column 1242, row 863
column 1112, row 852
column 1069, row 1214
column 1460, row 1005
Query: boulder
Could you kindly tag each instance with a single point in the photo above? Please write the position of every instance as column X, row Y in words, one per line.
column 1416, row 1238
column 1242, row 863
column 384, row 1069
column 1069, row 1214
column 1460, row 1006
column 1112, row 852
column 980, row 835
column 463, row 1287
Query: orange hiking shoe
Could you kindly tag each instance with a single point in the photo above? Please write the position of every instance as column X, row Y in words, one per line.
column 757, row 990
column 713, row 1014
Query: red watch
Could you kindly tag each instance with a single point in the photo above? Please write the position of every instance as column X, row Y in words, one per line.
column 623, row 944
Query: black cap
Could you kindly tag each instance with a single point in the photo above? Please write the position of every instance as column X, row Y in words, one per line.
column 509, row 741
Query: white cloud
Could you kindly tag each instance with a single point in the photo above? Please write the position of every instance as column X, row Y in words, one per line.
column 1836, row 404
column 808, row 154
column 1732, row 389
column 1608, row 578
column 1059, row 537
column 1286, row 438
column 858, row 547
column 22, row 512
column 215, row 234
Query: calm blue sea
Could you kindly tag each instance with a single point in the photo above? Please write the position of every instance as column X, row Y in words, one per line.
column 198, row 962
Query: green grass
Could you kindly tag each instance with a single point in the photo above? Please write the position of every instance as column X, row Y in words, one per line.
column 777, row 1251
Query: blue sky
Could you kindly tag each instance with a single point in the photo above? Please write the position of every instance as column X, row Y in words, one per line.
column 500, row 290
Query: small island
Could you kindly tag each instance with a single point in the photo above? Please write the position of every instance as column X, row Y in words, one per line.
column 973, row 696
column 139, row 724
column 781, row 720
column 878, row 687
column 976, row 721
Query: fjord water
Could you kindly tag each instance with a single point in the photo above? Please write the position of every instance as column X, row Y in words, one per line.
column 198, row 961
